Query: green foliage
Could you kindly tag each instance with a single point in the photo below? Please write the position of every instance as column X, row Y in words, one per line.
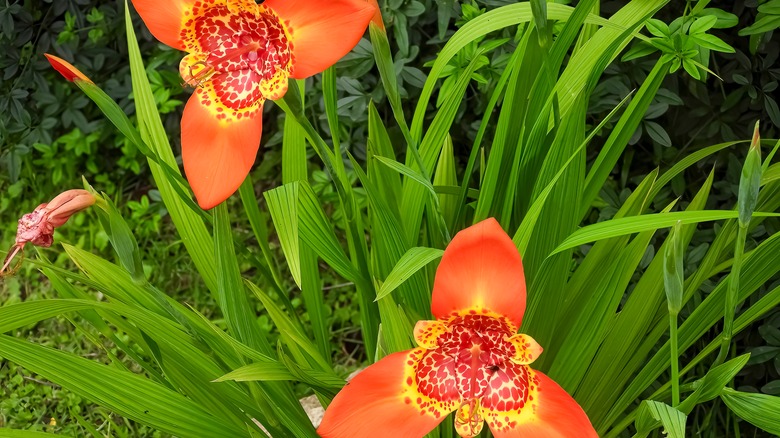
column 332, row 265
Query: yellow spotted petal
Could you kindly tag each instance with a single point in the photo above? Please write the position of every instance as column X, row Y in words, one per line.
column 426, row 333
column 527, row 350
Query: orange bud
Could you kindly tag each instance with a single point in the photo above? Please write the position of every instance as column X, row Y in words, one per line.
column 66, row 69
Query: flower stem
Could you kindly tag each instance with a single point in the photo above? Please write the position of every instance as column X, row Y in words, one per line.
column 675, row 359
column 731, row 295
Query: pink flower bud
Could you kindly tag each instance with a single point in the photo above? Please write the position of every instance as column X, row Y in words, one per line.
column 38, row 227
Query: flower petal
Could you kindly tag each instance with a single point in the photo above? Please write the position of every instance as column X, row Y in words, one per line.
column 380, row 402
column 542, row 410
column 218, row 153
column 165, row 18
column 377, row 18
column 66, row 69
column 426, row 333
column 527, row 350
column 322, row 32
column 480, row 268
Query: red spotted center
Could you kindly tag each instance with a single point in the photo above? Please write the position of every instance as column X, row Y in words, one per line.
column 472, row 362
column 241, row 48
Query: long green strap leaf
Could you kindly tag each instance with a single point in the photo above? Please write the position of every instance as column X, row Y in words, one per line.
column 189, row 224
column 630, row 225
column 493, row 20
column 761, row 410
column 127, row 394
column 232, row 298
column 411, row 262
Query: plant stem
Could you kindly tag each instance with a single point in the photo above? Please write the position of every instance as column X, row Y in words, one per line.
column 675, row 359
column 731, row 296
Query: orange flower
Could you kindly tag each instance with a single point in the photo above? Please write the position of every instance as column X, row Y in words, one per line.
column 241, row 53
column 470, row 360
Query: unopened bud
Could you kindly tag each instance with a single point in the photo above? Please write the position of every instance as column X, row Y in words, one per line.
column 673, row 269
column 750, row 180
column 66, row 69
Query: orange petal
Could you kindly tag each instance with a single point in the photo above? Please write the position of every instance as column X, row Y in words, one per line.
column 164, row 18
column 379, row 403
column 66, row 69
column 377, row 18
column 548, row 410
column 322, row 32
column 480, row 268
column 527, row 350
column 217, row 153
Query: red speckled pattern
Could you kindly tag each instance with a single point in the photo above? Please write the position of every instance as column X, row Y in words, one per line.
column 468, row 362
column 239, row 55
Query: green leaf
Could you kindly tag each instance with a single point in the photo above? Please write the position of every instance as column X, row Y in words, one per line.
column 657, row 28
column 115, row 115
column 127, row 394
column 712, row 42
column 315, row 229
column 702, row 24
column 685, row 163
column 638, row 50
column 713, row 383
column 691, row 68
column 760, row 265
column 658, row 133
column 17, row 433
column 770, row 105
column 289, row 329
column 630, row 225
column 257, row 220
column 189, row 224
column 725, row 19
column 16, row 316
column 411, row 262
column 302, row 259
column 653, row 414
column 771, row 7
column 386, row 67
column 763, row 24
column 232, row 297
column 623, row 131
column 283, row 206
column 408, row 171
column 499, row 18
column 446, row 174
column 757, row 409
column 123, row 241
column 258, row 371
column 539, row 11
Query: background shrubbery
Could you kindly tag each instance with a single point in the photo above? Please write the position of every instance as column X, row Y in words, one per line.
column 52, row 135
